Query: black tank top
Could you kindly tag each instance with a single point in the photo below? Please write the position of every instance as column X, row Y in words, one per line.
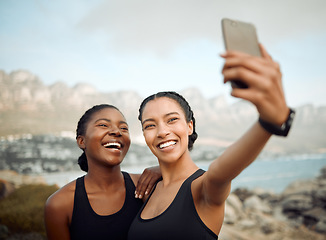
column 179, row 221
column 88, row 225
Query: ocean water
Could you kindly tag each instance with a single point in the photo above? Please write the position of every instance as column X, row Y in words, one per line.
column 272, row 174
column 276, row 174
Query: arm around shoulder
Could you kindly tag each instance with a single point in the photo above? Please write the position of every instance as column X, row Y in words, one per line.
column 146, row 181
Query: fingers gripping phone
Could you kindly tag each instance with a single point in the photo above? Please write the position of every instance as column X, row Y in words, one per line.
column 240, row 36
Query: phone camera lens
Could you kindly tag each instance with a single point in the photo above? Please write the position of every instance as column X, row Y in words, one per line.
column 234, row 24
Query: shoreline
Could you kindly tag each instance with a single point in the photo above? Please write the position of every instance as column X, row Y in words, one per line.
column 273, row 176
column 270, row 174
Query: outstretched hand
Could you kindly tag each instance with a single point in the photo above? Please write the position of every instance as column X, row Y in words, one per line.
column 264, row 79
column 146, row 181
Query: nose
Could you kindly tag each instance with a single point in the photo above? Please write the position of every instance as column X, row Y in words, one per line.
column 162, row 130
column 114, row 131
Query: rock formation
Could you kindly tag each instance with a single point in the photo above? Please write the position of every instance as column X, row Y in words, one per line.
column 299, row 212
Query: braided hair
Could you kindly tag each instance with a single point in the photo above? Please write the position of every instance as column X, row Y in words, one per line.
column 184, row 105
column 82, row 126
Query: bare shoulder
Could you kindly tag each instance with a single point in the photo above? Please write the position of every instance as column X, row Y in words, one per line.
column 205, row 190
column 210, row 213
column 197, row 186
column 58, row 212
column 134, row 178
column 62, row 199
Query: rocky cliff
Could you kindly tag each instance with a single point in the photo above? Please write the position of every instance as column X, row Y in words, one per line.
column 29, row 106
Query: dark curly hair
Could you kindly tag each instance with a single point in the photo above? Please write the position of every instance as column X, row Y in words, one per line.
column 184, row 105
column 81, row 129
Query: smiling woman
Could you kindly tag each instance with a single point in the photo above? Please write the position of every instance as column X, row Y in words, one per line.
column 106, row 128
column 101, row 204
column 189, row 203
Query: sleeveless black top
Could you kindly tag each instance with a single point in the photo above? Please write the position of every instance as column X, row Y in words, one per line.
column 88, row 225
column 179, row 221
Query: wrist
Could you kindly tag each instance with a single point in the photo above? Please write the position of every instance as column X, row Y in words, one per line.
column 280, row 130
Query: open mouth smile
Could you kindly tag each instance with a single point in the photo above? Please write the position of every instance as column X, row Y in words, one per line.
column 166, row 144
column 113, row 145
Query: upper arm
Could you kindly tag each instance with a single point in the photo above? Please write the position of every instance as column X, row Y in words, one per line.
column 57, row 214
column 209, row 200
column 215, row 191
column 216, row 182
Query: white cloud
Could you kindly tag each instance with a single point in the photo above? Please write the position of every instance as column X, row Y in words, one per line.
column 161, row 26
column 151, row 45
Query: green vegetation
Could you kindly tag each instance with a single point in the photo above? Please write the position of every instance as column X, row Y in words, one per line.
column 23, row 210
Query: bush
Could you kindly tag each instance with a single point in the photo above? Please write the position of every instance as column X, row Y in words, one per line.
column 23, row 210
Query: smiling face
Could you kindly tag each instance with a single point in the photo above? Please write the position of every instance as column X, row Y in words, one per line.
column 106, row 140
column 165, row 129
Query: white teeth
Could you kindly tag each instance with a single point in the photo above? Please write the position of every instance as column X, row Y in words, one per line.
column 167, row 144
column 112, row 144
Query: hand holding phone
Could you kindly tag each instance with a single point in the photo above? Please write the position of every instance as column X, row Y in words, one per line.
column 240, row 36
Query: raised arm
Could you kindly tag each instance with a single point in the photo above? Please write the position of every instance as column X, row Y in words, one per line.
column 264, row 78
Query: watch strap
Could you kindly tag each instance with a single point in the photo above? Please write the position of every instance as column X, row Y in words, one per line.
column 276, row 129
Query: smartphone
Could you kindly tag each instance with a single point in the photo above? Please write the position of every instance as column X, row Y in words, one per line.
column 240, row 36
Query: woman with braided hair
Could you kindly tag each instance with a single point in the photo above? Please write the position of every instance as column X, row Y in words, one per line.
column 102, row 203
column 189, row 202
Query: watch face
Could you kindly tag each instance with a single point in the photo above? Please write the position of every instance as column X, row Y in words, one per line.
column 291, row 117
column 283, row 126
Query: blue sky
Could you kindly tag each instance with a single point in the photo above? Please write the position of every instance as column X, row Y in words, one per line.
column 153, row 45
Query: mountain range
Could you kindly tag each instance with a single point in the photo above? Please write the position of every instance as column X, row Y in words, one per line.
column 28, row 106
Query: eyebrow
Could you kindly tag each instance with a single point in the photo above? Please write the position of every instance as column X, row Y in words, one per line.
column 166, row 115
column 108, row 120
